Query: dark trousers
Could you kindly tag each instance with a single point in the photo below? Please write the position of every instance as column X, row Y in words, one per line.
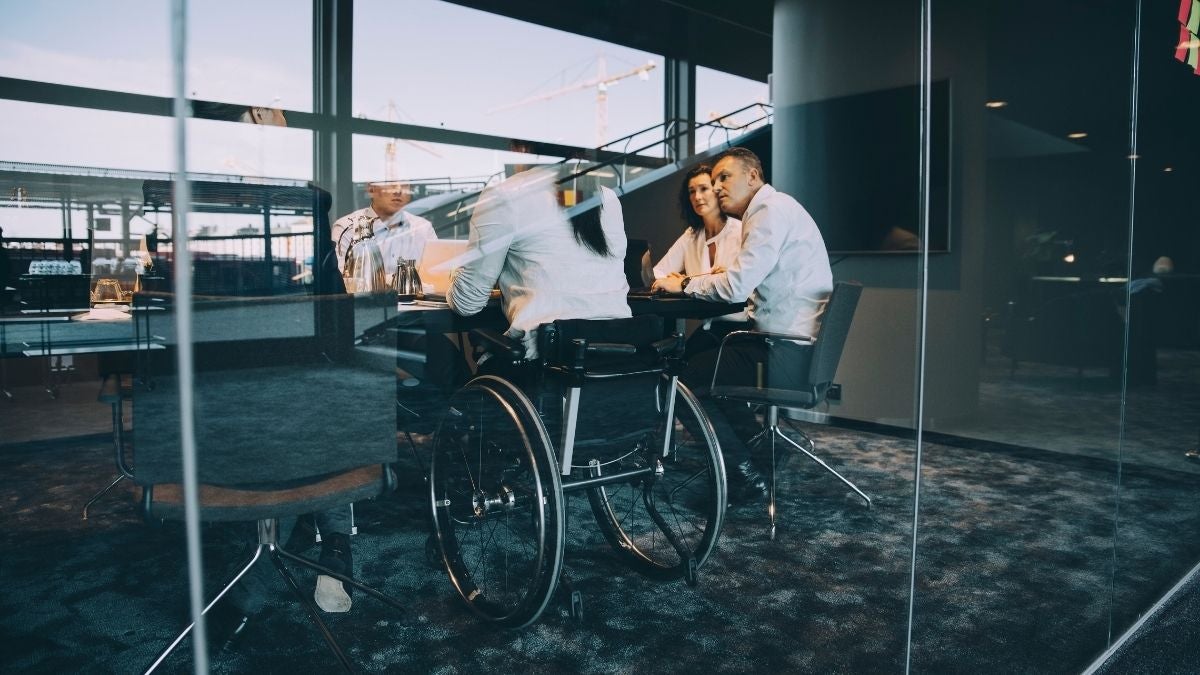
column 743, row 363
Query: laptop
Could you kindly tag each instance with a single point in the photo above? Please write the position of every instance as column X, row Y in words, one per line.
column 439, row 258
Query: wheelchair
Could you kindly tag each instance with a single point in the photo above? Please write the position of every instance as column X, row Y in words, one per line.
column 601, row 411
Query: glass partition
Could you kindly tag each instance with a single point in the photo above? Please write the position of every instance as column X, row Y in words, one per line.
column 1022, row 454
column 1001, row 469
column 1156, row 515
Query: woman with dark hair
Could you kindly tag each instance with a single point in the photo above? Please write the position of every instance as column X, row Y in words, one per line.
column 712, row 239
column 547, row 266
column 710, row 243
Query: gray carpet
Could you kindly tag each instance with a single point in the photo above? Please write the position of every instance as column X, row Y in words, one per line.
column 1014, row 574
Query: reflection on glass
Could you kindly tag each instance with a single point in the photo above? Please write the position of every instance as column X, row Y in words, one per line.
column 557, row 87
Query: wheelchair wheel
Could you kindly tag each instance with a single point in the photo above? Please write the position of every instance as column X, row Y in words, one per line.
column 689, row 494
column 497, row 502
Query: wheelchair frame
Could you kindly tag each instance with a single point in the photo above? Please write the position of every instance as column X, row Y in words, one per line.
column 540, row 478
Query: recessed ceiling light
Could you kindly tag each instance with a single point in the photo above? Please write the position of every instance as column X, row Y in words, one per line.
column 1069, row 258
column 1168, row 169
column 996, row 104
column 1077, row 134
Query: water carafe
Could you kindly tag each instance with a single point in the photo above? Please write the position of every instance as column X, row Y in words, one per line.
column 364, row 271
column 406, row 282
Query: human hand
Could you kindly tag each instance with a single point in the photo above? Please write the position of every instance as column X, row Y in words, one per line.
column 672, row 283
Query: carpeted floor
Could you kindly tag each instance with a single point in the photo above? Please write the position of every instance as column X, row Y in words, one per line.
column 1014, row 574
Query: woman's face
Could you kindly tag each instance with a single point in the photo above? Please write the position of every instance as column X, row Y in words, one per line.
column 700, row 193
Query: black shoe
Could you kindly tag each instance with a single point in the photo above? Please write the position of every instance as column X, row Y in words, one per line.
column 746, row 484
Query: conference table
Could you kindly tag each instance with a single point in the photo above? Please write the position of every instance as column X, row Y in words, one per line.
column 55, row 334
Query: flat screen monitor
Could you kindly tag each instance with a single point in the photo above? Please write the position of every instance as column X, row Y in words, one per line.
column 859, row 170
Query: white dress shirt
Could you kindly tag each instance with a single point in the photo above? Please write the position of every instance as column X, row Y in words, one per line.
column 523, row 239
column 782, row 269
column 404, row 238
column 689, row 255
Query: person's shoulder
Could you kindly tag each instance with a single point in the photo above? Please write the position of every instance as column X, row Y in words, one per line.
column 418, row 221
column 776, row 203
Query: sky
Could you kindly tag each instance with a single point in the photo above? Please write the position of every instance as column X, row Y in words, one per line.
column 422, row 62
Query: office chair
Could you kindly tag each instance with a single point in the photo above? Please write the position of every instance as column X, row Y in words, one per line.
column 818, row 360
column 269, row 445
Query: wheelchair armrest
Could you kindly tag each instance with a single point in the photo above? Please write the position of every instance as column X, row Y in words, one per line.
column 611, row 349
column 498, row 343
column 669, row 346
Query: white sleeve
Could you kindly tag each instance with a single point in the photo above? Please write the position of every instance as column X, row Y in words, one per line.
column 612, row 222
column 763, row 239
column 490, row 238
column 673, row 260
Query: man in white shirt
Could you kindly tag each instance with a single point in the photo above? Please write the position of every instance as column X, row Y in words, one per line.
column 783, row 274
column 400, row 234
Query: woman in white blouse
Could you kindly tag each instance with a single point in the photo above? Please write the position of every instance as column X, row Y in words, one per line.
column 710, row 243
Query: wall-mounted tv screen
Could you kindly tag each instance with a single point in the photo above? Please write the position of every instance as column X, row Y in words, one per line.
column 859, row 170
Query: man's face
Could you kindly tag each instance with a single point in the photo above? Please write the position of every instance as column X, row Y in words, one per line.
column 388, row 198
column 735, row 185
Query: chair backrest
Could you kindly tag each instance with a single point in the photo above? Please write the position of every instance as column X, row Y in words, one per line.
column 294, row 419
column 835, row 326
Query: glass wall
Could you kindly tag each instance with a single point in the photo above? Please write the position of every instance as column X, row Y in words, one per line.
column 1005, row 471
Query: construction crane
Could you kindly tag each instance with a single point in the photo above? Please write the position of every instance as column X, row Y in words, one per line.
column 389, row 148
column 602, row 81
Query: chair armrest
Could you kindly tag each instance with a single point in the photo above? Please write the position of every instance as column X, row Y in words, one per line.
column 496, row 342
column 773, row 336
column 753, row 334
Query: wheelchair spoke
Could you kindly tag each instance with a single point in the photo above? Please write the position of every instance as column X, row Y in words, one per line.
column 502, row 547
column 688, row 495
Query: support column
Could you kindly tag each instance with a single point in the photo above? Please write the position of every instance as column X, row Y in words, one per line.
column 679, row 112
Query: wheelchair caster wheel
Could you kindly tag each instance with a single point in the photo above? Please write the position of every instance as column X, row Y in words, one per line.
column 432, row 555
column 576, row 605
column 689, row 574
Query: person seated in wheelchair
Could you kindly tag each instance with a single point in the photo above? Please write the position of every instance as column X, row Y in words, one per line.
column 576, row 396
column 547, row 266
